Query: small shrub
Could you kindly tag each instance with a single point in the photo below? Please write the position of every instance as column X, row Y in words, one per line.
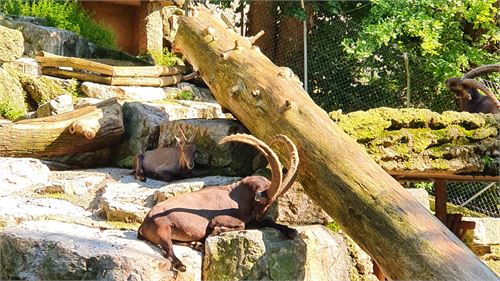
column 333, row 227
column 10, row 110
column 165, row 58
column 66, row 14
column 185, row 95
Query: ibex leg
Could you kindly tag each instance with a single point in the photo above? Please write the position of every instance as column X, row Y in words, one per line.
column 220, row 224
column 163, row 175
column 165, row 234
column 137, row 167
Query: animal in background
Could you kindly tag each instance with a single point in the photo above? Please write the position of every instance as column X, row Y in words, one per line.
column 466, row 91
column 212, row 210
column 166, row 163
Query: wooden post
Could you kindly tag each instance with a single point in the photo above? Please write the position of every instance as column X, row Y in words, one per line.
column 441, row 198
column 406, row 240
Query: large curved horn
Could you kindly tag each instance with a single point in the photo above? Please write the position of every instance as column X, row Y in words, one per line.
column 471, row 83
column 182, row 132
column 293, row 162
column 272, row 158
column 482, row 70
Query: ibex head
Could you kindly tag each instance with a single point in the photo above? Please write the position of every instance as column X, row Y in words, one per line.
column 265, row 192
column 186, row 149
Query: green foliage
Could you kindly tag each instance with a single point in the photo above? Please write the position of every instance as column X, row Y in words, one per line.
column 165, row 58
column 333, row 227
column 450, row 36
column 65, row 14
column 11, row 110
column 185, row 95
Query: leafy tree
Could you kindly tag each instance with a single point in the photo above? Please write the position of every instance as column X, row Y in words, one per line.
column 450, row 37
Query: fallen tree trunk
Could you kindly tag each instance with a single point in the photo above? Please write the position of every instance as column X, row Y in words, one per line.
column 82, row 130
column 406, row 240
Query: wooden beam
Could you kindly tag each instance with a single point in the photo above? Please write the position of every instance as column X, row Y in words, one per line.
column 50, row 60
column 406, row 240
column 440, row 175
column 161, row 81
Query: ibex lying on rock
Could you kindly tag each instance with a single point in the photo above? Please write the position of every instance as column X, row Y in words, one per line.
column 166, row 163
column 216, row 209
column 466, row 90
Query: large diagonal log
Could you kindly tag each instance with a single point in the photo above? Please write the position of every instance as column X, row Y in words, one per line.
column 407, row 241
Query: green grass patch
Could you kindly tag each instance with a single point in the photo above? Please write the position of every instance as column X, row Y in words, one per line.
column 11, row 110
column 185, row 95
column 65, row 14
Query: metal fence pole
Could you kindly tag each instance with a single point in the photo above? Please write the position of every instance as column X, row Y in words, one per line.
column 305, row 47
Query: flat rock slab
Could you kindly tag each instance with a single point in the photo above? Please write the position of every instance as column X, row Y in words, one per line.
column 19, row 173
column 100, row 91
column 316, row 254
column 52, row 250
column 16, row 209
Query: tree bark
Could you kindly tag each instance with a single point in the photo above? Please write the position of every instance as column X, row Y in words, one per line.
column 406, row 240
column 82, row 130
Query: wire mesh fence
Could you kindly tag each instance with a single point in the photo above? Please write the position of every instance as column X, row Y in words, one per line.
column 335, row 80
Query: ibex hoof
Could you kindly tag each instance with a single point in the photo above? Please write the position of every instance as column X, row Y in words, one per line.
column 180, row 267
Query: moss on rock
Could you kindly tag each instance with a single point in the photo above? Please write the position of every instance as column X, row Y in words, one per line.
column 419, row 139
column 12, row 96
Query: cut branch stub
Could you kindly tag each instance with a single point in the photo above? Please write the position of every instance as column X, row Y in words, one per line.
column 85, row 127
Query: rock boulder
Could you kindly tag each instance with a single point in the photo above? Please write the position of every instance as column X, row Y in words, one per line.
column 316, row 254
column 11, row 44
column 51, row 250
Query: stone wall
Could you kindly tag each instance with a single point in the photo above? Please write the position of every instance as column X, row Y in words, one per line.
column 419, row 139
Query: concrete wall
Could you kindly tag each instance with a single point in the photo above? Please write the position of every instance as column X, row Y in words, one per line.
column 122, row 19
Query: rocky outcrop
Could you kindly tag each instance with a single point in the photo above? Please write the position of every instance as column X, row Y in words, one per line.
column 316, row 254
column 142, row 122
column 419, row 139
column 51, row 250
column 232, row 159
column 296, row 208
column 50, row 39
column 11, row 44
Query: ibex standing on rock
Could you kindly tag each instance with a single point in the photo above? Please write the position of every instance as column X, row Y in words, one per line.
column 216, row 209
column 166, row 163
